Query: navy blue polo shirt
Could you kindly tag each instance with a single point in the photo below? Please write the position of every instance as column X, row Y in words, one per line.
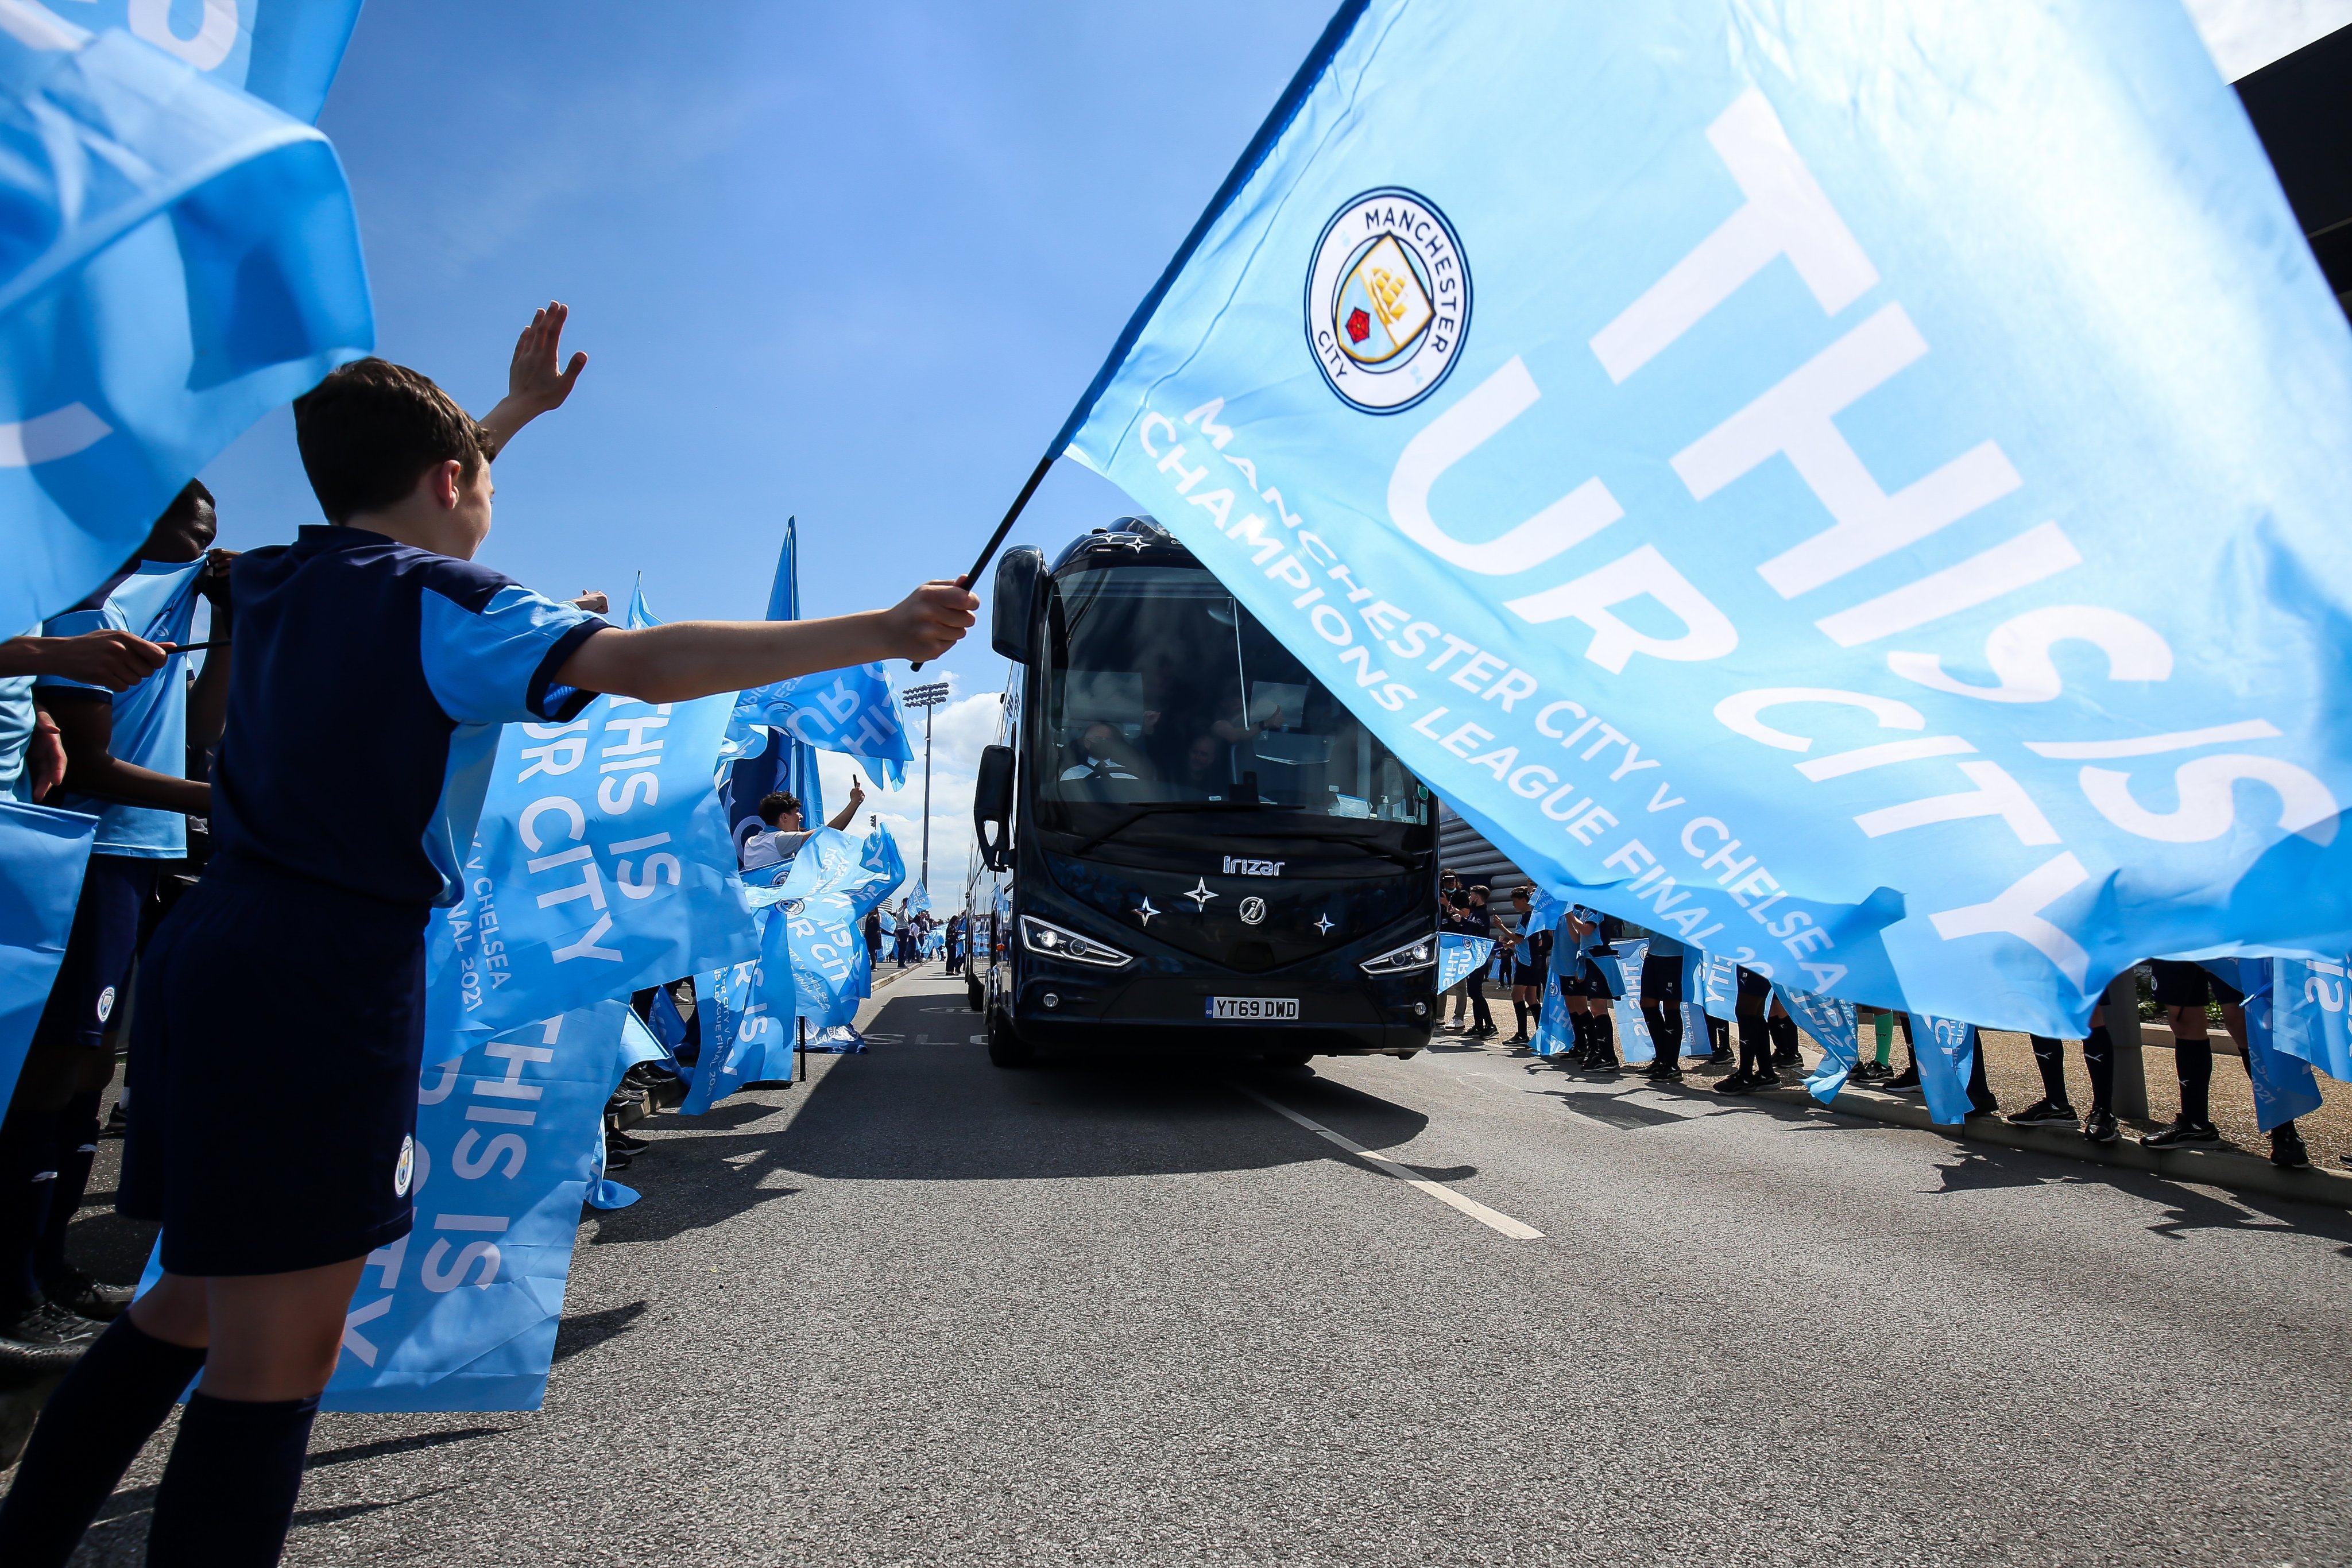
column 369, row 684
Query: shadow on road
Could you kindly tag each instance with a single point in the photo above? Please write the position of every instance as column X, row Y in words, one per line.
column 925, row 1105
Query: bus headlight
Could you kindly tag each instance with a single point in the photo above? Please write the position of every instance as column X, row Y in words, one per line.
column 1043, row 937
column 1418, row 954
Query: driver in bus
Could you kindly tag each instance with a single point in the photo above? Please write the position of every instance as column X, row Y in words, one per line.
column 1104, row 755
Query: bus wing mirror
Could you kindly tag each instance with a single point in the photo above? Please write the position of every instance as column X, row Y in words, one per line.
column 1012, row 615
column 992, row 807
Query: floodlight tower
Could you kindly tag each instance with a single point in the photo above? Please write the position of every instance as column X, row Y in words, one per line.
column 926, row 697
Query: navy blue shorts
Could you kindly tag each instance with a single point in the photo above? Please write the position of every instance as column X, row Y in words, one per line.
column 104, row 940
column 276, row 1048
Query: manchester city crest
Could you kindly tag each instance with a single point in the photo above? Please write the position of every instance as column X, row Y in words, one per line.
column 1387, row 299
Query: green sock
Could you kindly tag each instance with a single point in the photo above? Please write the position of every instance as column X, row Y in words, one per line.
column 1883, row 1024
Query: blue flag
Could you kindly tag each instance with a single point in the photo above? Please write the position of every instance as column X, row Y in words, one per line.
column 1635, row 1045
column 2310, row 1013
column 179, row 258
column 835, row 884
column 853, row 711
column 1719, row 986
column 1553, row 1034
column 1946, row 1051
column 42, row 855
column 666, row 1025
column 284, row 52
column 1832, row 1023
column 1713, row 444
column 764, row 764
column 601, row 865
column 1458, row 954
column 747, row 1026
column 2283, row 1084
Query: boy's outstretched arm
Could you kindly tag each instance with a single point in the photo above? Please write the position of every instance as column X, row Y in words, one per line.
column 688, row 659
column 534, row 384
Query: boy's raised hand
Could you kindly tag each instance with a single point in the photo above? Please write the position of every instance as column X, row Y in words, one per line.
column 534, row 384
column 931, row 620
column 532, row 378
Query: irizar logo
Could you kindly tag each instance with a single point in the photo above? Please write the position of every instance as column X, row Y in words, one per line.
column 1387, row 299
column 1235, row 866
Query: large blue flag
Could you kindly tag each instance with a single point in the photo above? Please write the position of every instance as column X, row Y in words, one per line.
column 42, row 855
column 833, row 884
column 179, row 259
column 284, row 52
column 601, row 865
column 1715, row 446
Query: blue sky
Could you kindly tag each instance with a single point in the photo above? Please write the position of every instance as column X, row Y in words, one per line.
column 852, row 263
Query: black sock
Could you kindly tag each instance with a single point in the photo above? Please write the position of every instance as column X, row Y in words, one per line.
column 2050, row 1061
column 27, row 1138
column 93, row 1426
column 1784, row 1031
column 1519, row 1011
column 228, row 1495
column 1755, row 1046
column 2098, row 1058
column 77, row 1146
column 1604, row 1035
column 2194, row 1059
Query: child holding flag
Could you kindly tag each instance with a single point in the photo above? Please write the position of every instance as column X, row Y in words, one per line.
column 303, row 945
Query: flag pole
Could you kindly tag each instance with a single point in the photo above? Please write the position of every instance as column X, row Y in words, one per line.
column 996, row 540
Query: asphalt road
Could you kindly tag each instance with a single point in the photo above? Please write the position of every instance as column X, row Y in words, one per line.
column 921, row 1311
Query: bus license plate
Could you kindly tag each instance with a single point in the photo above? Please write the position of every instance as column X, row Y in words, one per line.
column 1253, row 1010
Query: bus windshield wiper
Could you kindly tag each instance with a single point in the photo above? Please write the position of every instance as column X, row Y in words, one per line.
column 1159, row 807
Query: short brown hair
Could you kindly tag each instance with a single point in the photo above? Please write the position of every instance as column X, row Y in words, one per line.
column 372, row 429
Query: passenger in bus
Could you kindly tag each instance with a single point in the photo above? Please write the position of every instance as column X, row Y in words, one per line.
column 1203, row 776
column 1233, row 725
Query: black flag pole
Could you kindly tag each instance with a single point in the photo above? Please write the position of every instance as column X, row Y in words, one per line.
column 996, row 540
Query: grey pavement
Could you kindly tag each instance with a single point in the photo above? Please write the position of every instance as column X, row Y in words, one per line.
column 922, row 1310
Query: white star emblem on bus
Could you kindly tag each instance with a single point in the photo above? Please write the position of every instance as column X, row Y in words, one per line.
column 1200, row 895
column 1145, row 914
column 1323, row 923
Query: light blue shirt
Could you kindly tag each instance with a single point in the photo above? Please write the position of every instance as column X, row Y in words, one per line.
column 157, row 600
column 15, row 732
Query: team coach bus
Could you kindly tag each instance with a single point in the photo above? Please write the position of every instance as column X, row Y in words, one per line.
column 1186, row 842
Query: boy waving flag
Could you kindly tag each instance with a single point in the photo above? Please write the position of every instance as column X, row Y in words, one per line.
column 306, row 938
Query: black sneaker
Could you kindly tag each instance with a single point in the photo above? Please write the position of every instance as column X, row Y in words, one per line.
column 2099, row 1126
column 616, row 1160
column 2180, row 1135
column 1606, row 1068
column 1870, row 1071
column 625, row 1143
column 23, row 1362
column 1518, row 1038
column 87, row 1297
column 2287, row 1152
column 1767, row 1079
column 116, row 1120
column 1726, row 1054
column 51, row 1324
column 1787, row 1058
column 1734, row 1083
column 1906, row 1080
column 1988, row 1106
column 2044, row 1113
column 1666, row 1075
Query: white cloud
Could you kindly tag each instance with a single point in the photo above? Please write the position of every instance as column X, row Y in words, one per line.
column 2244, row 36
column 960, row 728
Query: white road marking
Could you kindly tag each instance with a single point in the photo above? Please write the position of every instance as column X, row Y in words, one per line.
column 1516, row 1230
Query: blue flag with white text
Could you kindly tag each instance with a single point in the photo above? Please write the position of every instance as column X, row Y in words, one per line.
column 461, row 1313
column 1718, row 986
column 601, row 865
column 283, row 52
column 1714, row 446
column 2310, row 1013
column 2283, row 1084
column 1459, row 953
column 179, row 259
column 1832, row 1023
